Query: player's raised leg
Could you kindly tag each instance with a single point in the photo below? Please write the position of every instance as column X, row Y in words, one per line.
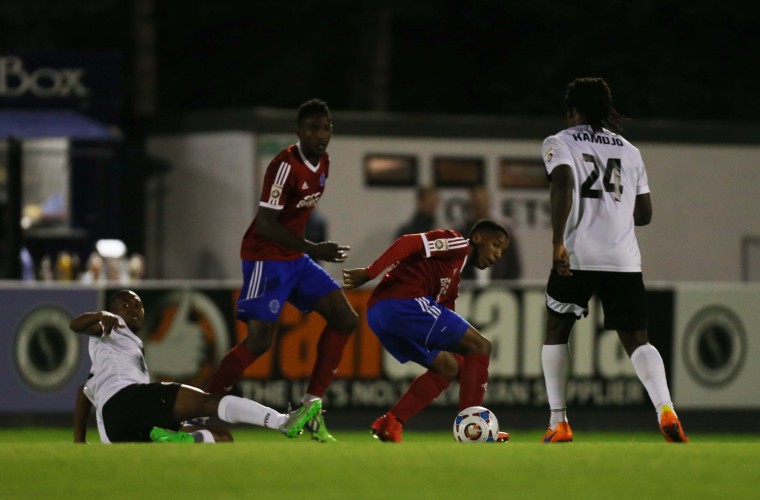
column 650, row 369
column 193, row 403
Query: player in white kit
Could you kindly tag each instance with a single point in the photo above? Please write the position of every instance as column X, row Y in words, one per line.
column 129, row 408
column 599, row 192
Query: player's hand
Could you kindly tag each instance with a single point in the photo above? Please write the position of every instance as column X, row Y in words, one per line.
column 108, row 321
column 329, row 251
column 354, row 278
column 561, row 260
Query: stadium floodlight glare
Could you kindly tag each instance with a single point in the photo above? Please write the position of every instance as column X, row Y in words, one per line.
column 111, row 249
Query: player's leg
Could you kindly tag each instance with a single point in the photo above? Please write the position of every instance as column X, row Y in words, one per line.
column 210, row 433
column 566, row 301
column 236, row 360
column 192, row 403
column 623, row 298
column 402, row 327
column 341, row 320
column 317, row 291
column 473, row 375
column 259, row 305
column 555, row 360
column 421, row 392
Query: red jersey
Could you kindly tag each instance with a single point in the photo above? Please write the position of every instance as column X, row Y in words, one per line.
column 292, row 185
column 425, row 264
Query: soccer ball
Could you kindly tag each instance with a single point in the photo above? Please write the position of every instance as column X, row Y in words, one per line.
column 476, row 424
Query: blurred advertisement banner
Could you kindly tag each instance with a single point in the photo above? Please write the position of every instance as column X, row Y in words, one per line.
column 43, row 362
column 717, row 347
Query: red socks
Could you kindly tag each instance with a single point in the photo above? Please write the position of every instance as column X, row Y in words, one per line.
column 421, row 392
column 329, row 353
column 473, row 377
column 231, row 369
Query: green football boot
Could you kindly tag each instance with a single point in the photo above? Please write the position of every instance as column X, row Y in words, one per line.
column 159, row 435
column 319, row 431
column 298, row 418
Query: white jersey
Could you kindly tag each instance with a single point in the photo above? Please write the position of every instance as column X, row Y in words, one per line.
column 608, row 174
column 117, row 362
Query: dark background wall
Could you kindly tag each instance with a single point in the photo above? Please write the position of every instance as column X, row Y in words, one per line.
column 663, row 59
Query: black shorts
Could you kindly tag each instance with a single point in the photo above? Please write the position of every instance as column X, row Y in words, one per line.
column 132, row 412
column 622, row 295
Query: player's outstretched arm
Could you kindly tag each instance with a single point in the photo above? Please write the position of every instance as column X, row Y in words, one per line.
column 94, row 323
column 354, row 278
column 82, row 408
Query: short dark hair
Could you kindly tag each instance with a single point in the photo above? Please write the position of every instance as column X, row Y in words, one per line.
column 488, row 225
column 117, row 299
column 592, row 98
column 312, row 107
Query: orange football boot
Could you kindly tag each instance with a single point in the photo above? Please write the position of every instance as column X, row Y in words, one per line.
column 502, row 437
column 671, row 427
column 562, row 434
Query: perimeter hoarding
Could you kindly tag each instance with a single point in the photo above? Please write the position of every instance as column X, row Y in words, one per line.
column 189, row 328
column 717, row 364
column 42, row 363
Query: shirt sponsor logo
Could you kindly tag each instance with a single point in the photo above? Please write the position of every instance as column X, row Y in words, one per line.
column 309, row 201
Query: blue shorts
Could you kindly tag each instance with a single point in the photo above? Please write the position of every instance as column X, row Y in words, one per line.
column 268, row 284
column 416, row 329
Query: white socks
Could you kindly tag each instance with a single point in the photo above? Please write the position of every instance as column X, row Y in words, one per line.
column 203, row 436
column 308, row 398
column 233, row 409
column 650, row 369
column 556, row 362
column 646, row 361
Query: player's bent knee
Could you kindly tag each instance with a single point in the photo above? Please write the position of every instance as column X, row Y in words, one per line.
column 484, row 346
column 346, row 323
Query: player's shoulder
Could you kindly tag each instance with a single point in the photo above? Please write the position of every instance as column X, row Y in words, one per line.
column 560, row 138
column 443, row 233
column 288, row 155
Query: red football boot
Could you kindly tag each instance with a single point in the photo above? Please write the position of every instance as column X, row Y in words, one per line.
column 387, row 428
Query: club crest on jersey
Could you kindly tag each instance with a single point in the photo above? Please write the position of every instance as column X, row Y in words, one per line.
column 441, row 244
column 275, row 192
column 322, row 180
column 274, row 306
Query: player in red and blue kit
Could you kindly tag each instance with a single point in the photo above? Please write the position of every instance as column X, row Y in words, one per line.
column 412, row 313
column 279, row 263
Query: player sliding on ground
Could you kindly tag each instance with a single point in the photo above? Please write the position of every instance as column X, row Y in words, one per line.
column 412, row 313
column 129, row 408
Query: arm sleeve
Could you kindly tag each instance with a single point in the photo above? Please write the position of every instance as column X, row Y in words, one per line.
column 274, row 189
column 555, row 153
column 405, row 246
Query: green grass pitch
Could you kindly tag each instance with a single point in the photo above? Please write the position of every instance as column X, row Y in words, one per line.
column 262, row 464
